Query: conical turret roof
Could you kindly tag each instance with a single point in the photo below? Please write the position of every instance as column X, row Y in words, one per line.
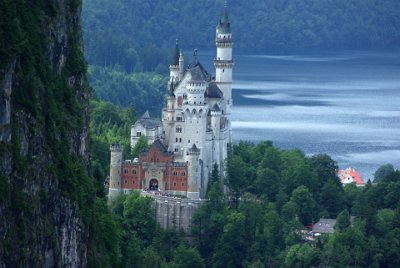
column 224, row 26
column 175, row 56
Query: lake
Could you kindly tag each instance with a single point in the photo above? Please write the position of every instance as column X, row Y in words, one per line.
column 345, row 104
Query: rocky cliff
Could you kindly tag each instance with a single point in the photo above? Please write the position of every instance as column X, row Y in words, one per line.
column 44, row 159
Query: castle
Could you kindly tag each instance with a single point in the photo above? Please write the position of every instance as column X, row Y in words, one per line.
column 194, row 131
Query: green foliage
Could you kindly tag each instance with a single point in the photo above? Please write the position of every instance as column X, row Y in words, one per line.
column 273, row 25
column 108, row 124
column 129, row 233
column 141, row 145
column 342, row 220
column 382, row 172
column 4, row 188
column 140, row 90
column 187, row 257
column 104, row 241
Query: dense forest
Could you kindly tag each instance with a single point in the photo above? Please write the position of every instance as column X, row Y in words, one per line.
column 114, row 30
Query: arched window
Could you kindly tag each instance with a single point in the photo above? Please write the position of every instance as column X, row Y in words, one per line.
column 183, row 173
column 133, row 171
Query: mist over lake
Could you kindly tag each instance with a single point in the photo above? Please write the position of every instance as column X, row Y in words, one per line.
column 345, row 104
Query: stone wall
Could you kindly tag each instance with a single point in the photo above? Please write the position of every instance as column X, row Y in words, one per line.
column 174, row 213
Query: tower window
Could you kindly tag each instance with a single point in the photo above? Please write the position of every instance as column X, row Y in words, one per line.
column 138, row 133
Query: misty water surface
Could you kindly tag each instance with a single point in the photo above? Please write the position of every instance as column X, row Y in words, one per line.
column 345, row 104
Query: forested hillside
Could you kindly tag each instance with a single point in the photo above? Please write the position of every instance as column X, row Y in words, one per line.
column 123, row 31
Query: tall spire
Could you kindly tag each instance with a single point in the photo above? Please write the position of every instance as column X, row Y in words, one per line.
column 224, row 26
column 175, row 56
column 195, row 57
column 225, row 15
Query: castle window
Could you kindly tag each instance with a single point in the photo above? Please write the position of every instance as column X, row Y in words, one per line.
column 188, row 141
column 174, row 184
column 183, row 173
column 176, row 139
column 178, row 129
column 176, row 150
column 183, row 184
column 138, row 133
column 125, row 171
column 133, row 182
column 126, row 182
column 133, row 171
column 175, row 173
column 180, row 139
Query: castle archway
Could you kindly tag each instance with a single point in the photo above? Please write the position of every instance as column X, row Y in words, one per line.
column 153, row 185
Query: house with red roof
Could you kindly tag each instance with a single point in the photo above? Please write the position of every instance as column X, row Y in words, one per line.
column 350, row 175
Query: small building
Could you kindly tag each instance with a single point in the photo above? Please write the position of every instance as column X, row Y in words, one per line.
column 350, row 175
column 146, row 126
column 323, row 226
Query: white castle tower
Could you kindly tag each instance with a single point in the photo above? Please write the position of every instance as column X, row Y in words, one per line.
column 115, row 171
column 224, row 64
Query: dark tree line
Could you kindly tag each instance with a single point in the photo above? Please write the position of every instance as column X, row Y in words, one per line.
column 127, row 32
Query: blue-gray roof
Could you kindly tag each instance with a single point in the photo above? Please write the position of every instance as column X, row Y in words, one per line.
column 213, row 91
column 224, row 26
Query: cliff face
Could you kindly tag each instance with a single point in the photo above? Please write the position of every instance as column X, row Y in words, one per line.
column 44, row 159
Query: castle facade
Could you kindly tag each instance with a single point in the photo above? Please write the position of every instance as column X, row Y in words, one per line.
column 194, row 131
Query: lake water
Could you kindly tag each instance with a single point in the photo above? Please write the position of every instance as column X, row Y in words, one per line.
column 345, row 104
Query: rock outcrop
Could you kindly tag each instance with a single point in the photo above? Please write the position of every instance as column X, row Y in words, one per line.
column 43, row 135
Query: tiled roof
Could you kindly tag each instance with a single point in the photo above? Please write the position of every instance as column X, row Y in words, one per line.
column 148, row 122
column 324, row 226
column 350, row 175
column 224, row 26
column 198, row 72
column 213, row 91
